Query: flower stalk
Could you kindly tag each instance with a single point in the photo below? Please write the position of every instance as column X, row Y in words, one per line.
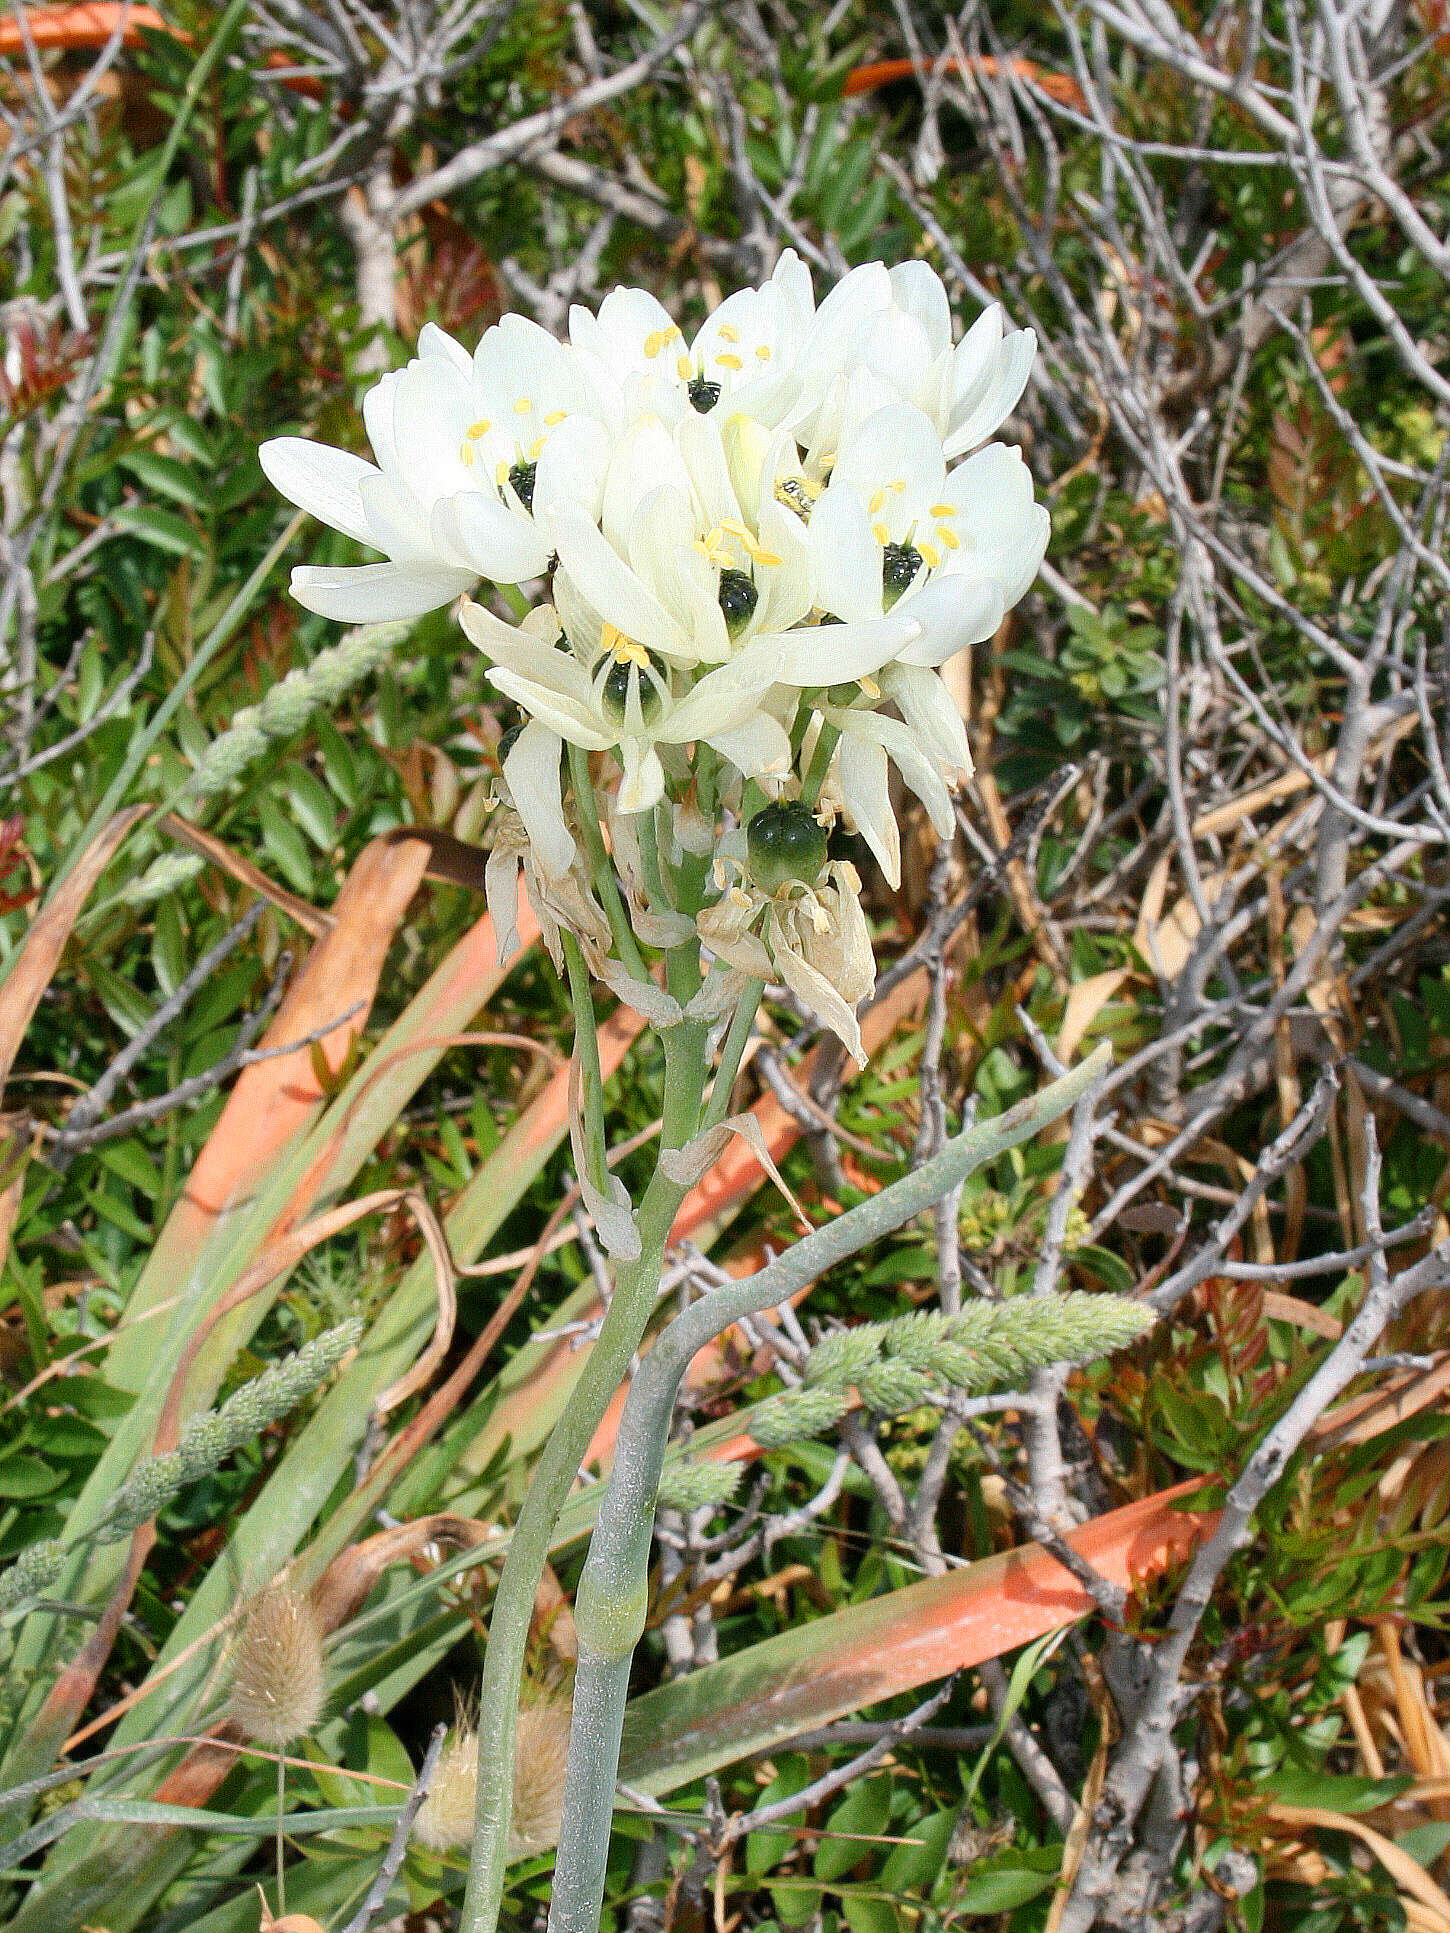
column 611, row 1601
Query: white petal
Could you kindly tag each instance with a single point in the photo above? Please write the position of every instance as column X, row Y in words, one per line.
column 917, row 288
column 756, row 747
column 840, row 654
column 724, row 697
column 504, row 545
column 953, row 610
column 571, row 468
column 532, row 773
column 432, row 410
column 918, row 771
column 552, row 708
column 433, row 341
column 861, row 777
column 973, row 421
column 501, row 891
column 604, row 580
column 845, row 556
column 896, row 446
column 397, row 524
column 643, row 784
column 373, row 593
column 928, row 708
column 320, row 480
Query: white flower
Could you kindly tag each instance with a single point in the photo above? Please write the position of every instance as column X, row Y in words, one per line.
column 468, row 450
column 744, row 355
column 893, row 530
column 686, row 569
column 929, row 750
column 606, row 691
column 886, row 336
column 814, row 936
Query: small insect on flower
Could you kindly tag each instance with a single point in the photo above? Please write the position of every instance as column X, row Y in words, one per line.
column 278, row 1681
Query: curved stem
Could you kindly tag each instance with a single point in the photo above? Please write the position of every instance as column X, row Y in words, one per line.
column 629, row 1311
column 612, row 1599
column 600, row 864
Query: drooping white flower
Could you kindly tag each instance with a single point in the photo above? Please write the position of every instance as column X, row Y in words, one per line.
column 893, row 530
column 607, row 692
column 471, row 451
column 790, row 911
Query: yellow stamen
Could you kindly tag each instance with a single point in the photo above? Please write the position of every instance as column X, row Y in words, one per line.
column 728, row 360
column 729, row 333
column 871, row 688
column 881, row 533
column 624, row 650
column 535, row 447
column 948, row 537
column 876, row 502
column 682, row 368
column 480, row 428
column 523, row 406
column 554, row 416
column 658, row 339
column 943, row 510
column 762, row 352
column 933, row 557
column 502, row 473
column 749, row 540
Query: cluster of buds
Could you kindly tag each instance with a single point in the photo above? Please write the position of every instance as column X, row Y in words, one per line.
column 754, row 549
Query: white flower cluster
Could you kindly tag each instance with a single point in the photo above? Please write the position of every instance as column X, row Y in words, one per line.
column 760, row 545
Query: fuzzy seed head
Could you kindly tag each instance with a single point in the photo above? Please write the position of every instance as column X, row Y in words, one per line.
column 541, row 1753
column 445, row 1818
column 277, row 1669
column 540, row 1756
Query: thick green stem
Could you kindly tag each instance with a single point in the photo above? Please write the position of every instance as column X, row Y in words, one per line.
column 612, row 1599
column 635, row 1289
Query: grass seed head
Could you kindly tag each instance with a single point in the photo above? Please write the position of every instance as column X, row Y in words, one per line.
column 277, row 1669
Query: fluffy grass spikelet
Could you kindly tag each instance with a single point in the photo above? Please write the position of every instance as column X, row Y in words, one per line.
column 541, row 1751
column 691, row 1486
column 209, row 1440
column 288, row 705
column 277, row 1668
column 32, row 1573
column 894, row 1366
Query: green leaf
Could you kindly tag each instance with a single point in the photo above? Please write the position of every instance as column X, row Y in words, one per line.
column 28, row 1476
column 764, row 1850
column 1007, row 1880
column 170, row 478
column 1334, row 1791
column 861, row 1816
column 913, row 1868
column 162, row 530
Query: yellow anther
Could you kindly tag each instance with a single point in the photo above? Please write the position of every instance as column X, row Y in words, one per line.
column 480, row 428
column 933, row 557
column 871, row 688
column 749, row 541
column 881, row 533
column 657, row 339
column 534, row 448
column 502, row 473
column 727, row 359
column 729, row 333
column 876, row 502
column 623, row 650
column 465, row 452
column 767, row 557
column 762, row 352
column 943, row 510
column 948, row 537
column 523, row 406
column 682, row 369
column 897, row 486
column 554, row 416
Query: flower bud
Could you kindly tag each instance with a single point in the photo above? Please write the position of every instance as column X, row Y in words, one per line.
column 786, row 842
